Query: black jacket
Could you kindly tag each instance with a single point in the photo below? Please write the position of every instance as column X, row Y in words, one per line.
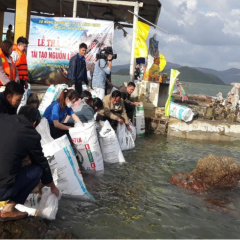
column 19, row 139
column 5, row 106
column 77, row 71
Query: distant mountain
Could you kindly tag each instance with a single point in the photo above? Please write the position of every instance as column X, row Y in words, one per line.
column 227, row 76
column 187, row 74
column 171, row 66
column 122, row 72
column 120, row 67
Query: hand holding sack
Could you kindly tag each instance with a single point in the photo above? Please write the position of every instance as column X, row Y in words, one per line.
column 125, row 137
column 111, row 150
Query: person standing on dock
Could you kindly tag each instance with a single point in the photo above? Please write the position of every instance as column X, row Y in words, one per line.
column 10, row 35
column 101, row 70
column 77, row 72
column 20, row 60
column 8, row 70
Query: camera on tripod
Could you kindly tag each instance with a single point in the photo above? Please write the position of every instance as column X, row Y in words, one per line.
column 103, row 54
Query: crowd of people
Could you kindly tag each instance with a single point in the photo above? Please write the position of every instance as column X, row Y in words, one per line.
column 18, row 130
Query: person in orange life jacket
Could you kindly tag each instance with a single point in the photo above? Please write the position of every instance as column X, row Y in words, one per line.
column 58, row 110
column 11, row 98
column 20, row 59
column 8, row 70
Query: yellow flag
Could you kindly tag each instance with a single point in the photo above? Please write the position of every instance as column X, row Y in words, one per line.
column 163, row 62
column 173, row 76
column 141, row 49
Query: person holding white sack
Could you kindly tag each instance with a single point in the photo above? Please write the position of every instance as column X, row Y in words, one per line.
column 58, row 110
column 114, row 110
column 17, row 182
column 85, row 110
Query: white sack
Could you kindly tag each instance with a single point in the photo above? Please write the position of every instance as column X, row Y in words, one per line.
column 64, row 167
column 86, row 141
column 125, row 138
column 139, row 120
column 134, row 131
column 52, row 94
column 25, row 97
column 44, row 130
column 181, row 112
column 111, row 150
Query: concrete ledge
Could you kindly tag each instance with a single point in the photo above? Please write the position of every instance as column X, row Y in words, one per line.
column 204, row 130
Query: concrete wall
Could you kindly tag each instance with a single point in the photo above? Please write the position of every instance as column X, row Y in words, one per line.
column 204, row 130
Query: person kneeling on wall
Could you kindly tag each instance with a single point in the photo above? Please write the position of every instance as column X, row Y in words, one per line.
column 58, row 110
column 114, row 109
column 126, row 95
column 17, row 182
column 84, row 111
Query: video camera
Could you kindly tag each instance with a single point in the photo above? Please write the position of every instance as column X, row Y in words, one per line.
column 103, row 54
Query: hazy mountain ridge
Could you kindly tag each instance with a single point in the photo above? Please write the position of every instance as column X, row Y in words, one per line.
column 190, row 74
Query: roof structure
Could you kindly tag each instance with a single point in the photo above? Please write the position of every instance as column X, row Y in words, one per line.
column 93, row 10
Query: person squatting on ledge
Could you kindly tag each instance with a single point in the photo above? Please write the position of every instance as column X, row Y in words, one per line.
column 21, row 140
column 58, row 110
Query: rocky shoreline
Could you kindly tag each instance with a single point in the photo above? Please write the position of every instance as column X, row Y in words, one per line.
column 30, row 228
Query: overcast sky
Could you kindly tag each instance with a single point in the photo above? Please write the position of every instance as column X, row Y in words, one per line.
column 203, row 33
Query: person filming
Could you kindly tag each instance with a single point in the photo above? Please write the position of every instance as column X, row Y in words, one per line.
column 102, row 68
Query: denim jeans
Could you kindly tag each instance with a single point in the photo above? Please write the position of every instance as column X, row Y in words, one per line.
column 26, row 180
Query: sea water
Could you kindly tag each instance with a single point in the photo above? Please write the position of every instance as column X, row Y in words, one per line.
column 192, row 88
column 137, row 199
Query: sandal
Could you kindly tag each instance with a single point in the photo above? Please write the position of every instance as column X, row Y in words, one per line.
column 12, row 216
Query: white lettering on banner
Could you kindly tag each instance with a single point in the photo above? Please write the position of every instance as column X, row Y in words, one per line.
column 53, row 41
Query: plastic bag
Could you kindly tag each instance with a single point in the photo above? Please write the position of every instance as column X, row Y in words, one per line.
column 44, row 205
column 181, row 112
column 48, row 206
column 113, row 89
column 44, row 130
column 125, row 138
column 111, row 150
column 25, row 97
column 134, row 131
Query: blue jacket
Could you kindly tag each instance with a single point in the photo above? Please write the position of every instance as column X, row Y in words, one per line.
column 77, row 71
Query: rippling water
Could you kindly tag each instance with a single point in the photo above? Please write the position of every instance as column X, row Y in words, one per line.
column 137, row 200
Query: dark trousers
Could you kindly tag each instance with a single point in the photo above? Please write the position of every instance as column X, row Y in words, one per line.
column 26, row 180
column 57, row 133
column 129, row 109
column 78, row 88
column 22, row 82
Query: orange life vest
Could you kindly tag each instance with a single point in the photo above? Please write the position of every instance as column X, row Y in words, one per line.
column 21, row 63
column 6, row 67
